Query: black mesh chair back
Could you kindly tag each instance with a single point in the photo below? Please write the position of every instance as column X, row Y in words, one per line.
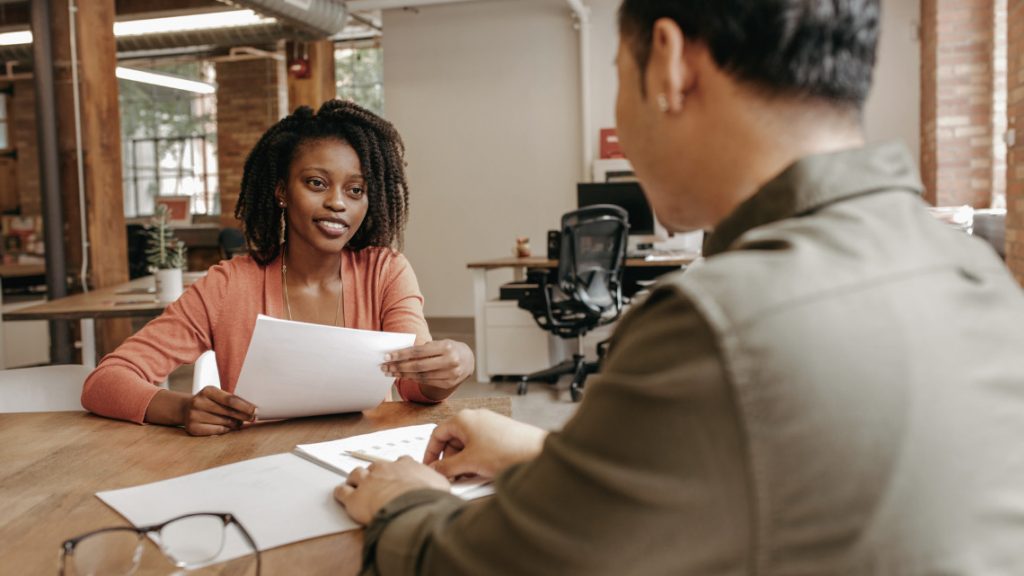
column 592, row 257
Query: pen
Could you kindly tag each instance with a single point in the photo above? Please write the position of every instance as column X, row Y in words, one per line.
column 366, row 457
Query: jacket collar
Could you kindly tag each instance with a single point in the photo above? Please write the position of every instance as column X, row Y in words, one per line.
column 816, row 181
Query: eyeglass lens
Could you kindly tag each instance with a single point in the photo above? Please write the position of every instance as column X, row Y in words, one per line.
column 193, row 539
column 116, row 552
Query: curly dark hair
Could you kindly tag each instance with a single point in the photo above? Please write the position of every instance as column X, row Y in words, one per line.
column 381, row 156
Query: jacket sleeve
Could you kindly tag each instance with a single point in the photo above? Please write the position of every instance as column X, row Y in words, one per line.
column 402, row 311
column 126, row 380
column 647, row 478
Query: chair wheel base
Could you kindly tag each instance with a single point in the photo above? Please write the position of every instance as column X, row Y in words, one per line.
column 575, row 392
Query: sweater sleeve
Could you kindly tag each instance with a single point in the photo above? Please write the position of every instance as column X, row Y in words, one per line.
column 126, row 380
column 402, row 311
column 647, row 478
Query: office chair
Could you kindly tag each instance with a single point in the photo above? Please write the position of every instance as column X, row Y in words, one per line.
column 231, row 242
column 588, row 291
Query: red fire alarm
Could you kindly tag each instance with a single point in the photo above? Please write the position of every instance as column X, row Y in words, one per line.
column 610, row 147
column 299, row 68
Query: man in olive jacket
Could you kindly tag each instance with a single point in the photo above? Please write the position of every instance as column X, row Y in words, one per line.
column 838, row 389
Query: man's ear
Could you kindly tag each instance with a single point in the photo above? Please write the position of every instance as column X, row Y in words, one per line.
column 668, row 73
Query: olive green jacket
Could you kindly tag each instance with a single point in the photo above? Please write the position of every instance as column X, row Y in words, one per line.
column 839, row 389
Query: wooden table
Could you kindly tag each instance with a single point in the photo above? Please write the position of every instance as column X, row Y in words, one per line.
column 22, row 270
column 518, row 266
column 55, row 462
column 129, row 299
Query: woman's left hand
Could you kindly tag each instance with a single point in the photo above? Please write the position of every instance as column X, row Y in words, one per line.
column 439, row 366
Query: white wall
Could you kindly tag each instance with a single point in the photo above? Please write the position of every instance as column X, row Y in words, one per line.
column 486, row 95
column 893, row 110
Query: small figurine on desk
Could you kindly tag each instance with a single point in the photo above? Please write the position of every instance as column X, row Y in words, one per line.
column 522, row 247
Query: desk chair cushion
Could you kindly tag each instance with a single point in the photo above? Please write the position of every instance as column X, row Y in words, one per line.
column 42, row 389
column 205, row 372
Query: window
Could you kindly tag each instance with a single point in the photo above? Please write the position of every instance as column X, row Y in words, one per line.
column 169, row 140
column 359, row 74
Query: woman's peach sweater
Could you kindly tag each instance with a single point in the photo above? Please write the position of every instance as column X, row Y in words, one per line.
column 219, row 313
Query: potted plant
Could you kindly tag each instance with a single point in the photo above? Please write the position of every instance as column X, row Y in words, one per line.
column 166, row 257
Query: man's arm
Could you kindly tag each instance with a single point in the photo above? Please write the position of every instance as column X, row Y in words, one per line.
column 648, row 477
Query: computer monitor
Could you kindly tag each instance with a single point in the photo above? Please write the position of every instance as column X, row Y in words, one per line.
column 643, row 229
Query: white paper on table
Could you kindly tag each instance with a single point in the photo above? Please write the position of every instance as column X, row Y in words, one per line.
column 279, row 499
column 389, row 444
column 298, row 369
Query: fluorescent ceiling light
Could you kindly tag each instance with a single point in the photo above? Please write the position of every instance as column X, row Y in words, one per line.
column 190, row 22
column 206, row 21
column 13, row 38
column 165, row 80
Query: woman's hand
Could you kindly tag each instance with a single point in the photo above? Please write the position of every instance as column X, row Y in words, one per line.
column 439, row 366
column 211, row 411
column 367, row 490
column 214, row 411
column 481, row 443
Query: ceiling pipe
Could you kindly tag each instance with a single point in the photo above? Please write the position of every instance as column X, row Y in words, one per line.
column 366, row 5
column 319, row 18
column 581, row 14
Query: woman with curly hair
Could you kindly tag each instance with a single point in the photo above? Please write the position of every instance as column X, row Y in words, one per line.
column 323, row 204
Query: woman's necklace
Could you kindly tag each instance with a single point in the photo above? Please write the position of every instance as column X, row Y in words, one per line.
column 287, row 302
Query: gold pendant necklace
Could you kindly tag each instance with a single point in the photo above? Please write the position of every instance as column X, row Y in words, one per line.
column 287, row 302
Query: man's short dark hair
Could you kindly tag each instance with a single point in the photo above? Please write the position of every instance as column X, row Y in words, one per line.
column 821, row 49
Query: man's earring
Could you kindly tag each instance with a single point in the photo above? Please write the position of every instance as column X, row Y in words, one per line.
column 662, row 103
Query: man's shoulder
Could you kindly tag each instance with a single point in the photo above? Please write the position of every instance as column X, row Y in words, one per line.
column 858, row 245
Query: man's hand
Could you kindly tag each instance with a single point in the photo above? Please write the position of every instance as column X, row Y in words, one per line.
column 439, row 366
column 367, row 490
column 214, row 411
column 482, row 443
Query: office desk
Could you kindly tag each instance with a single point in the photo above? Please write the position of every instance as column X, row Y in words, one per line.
column 519, row 265
column 55, row 462
column 125, row 300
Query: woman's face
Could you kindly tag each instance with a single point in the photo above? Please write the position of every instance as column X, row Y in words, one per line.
column 324, row 196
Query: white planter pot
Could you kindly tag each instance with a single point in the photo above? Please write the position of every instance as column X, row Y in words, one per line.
column 169, row 284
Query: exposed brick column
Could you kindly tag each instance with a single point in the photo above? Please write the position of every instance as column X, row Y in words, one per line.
column 1015, row 156
column 23, row 133
column 248, row 102
column 956, row 103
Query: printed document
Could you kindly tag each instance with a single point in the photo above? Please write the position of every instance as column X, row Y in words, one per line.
column 297, row 369
column 280, row 499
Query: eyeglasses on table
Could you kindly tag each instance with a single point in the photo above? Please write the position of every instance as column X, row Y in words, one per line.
column 186, row 543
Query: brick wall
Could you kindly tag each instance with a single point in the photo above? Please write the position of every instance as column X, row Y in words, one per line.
column 248, row 102
column 957, row 81
column 24, row 133
column 1015, row 156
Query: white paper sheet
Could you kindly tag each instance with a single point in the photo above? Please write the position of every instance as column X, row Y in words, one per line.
column 297, row 369
column 389, row 444
column 279, row 499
